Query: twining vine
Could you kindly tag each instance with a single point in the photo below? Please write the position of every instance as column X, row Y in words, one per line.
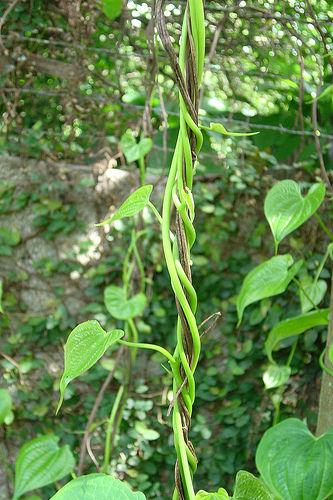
column 188, row 71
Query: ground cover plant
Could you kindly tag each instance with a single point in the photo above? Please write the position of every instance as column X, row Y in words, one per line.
column 170, row 385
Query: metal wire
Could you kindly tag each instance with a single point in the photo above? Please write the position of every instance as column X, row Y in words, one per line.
column 206, row 118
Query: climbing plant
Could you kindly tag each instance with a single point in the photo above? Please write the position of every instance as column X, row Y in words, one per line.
column 176, row 247
column 89, row 341
column 286, row 210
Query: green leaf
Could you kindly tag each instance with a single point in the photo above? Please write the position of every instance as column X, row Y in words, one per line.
column 41, row 462
column 10, row 237
column 313, row 291
column 286, row 209
column 132, row 149
column 1, row 292
column 112, row 8
column 129, row 147
column 326, row 93
column 294, row 464
column 269, row 278
column 249, row 487
column 9, row 418
column 275, row 376
column 6, row 250
column 97, row 486
column 85, row 345
column 220, row 129
column 294, row 326
column 5, row 405
column 221, row 494
column 145, row 145
column 132, row 205
column 146, row 433
column 119, row 306
column 289, row 83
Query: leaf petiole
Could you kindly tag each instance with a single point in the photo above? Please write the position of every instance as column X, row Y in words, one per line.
column 159, row 217
column 152, row 347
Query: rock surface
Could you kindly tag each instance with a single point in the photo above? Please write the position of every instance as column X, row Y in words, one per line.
column 48, row 214
column 56, row 195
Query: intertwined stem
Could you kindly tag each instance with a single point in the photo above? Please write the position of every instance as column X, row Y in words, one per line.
column 188, row 70
column 325, row 409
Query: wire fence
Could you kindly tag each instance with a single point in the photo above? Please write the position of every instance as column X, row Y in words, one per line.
column 100, row 98
column 249, row 12
column 14, row 37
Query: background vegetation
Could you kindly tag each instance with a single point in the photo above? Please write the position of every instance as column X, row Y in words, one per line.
column 72, row 82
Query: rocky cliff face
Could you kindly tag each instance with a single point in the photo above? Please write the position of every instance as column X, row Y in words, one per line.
column 48, row 244
column 47, row 217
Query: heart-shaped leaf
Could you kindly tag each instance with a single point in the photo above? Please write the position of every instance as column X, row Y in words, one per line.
column 294, row 326
column 112, row 8
column 275, row 376
column 311, row 293
column 97, row 487
column 249, row 487
column 221, row 494
column 286, row 209
column 294, row 464
column 119, row 306
column 5, row 405
column 132, row 205
column 132, row 149
column 269, row 278
column 220, row 129
column 41, row 462
column 85, row 345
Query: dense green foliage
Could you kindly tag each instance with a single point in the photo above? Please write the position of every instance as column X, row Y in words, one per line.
column 265, row 64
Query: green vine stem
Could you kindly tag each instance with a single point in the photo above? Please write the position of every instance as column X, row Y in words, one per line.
column 142, row 169
column 302, row 289
column 151, row 347
column 188, row 69
column 325, row 412
column 281, row 389
column 323, row 226
column 110, row 427
column 322, row 364
column 116, row 415
column 328, row 253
